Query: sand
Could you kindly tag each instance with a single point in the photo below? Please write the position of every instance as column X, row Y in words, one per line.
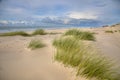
column 109, row 43
column 17, row 62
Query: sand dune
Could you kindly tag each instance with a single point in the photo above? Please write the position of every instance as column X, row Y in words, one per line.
column 17, row 62
column 109, row 43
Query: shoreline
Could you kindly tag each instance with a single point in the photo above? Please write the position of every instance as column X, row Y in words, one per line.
column 10, row 29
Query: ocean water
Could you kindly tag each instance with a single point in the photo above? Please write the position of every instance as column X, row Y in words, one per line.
column 31, row 28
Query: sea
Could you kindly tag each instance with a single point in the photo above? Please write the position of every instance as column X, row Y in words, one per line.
column 31, row 28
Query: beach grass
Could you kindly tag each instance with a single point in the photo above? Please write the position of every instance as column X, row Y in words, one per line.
column 83, row 35
column 109, row 31
column 74, row 53
column 99, row 67
column 69, row 50
column 22, row 33
column 39, row 32
column 34, row 44
column 54, row 33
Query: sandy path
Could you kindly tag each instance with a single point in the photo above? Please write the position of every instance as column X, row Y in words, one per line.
column 19, row 63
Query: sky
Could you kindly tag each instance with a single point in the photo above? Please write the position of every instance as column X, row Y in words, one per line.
column 59, row 12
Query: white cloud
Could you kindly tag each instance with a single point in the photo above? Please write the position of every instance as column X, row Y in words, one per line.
column 66, row 20
column 18, row 22
column 15, row 22
column 3, row 22
column 44, row 16
column 82, row 15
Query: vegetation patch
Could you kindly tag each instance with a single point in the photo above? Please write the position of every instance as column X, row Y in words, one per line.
column 109, row 31
column 34, row 44
column 74, row 53
column 39, row 32
column 22, row 33
column 69, row 50
column 83, row 35
column 115, row 31
column 54, row 33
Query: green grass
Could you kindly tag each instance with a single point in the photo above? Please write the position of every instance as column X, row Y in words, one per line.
column 74, row 53
column 54, row 33
column 119, row 30
column 34, row 44
column 109, row 31
column 39, row 32
column 97, row 66
column 83, row 35
column 67, row 47
column 22, row 33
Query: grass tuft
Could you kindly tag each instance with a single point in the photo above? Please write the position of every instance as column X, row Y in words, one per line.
column 39, row 32
column 83, row 35
column 74, row 53
column 54, row 33
column 34, row 44
column 68, row 51
column 115, row 31
column 109, row 31
column 22, row 33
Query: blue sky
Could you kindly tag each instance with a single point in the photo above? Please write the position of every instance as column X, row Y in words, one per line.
column 67, row 12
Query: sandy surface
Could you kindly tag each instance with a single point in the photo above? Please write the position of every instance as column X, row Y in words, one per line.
column 109, row 43
column 17, row 62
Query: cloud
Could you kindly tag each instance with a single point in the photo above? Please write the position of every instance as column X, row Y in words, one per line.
column 0, row 0
column 4, row 22
column 72, row 21
column 39, row 17
column 56, row 21
column 60, row 11
column 12, row 22
column 66, row 21
column 82, row 15
column 52, row 21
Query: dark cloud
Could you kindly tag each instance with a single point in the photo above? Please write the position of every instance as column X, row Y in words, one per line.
column 0, row 2
column 73, row 22
column 117, row 1
column 101, row 5
column 53, row 21
column 85, row 22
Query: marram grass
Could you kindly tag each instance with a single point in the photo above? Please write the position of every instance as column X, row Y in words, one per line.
column 83, row 35
column 34, row 44
column 22, row 33
column 109, row 31
column 97, row 66
column 74, row 53
column 68, row 51
column 39, row 32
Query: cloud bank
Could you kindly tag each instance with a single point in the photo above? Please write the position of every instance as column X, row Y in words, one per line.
column 65, row 12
